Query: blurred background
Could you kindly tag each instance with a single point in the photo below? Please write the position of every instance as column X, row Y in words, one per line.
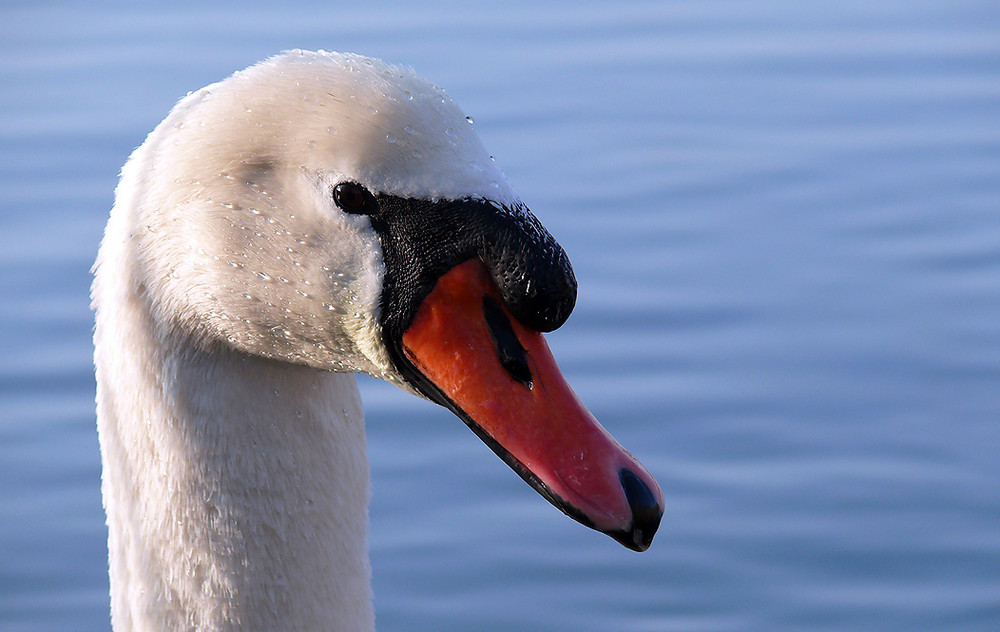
column 785, row 222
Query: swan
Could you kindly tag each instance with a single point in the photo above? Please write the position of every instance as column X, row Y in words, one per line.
column 315, row 216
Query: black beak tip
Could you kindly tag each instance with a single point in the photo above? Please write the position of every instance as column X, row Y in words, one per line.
column 646, row 513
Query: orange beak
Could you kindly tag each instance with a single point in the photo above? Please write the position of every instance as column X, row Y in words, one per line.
column 501, row 378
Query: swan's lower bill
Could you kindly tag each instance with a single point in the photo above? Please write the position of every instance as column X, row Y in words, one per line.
column 500, row 377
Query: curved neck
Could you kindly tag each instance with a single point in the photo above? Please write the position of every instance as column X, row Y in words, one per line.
column 236, row 488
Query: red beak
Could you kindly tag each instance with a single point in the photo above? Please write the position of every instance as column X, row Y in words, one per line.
column 503, row 381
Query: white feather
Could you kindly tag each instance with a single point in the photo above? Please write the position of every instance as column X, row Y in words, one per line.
column 230, row 291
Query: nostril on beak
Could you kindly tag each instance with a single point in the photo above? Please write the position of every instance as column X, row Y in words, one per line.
column 646, row 511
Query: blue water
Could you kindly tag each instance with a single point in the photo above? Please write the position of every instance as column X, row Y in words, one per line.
column 785, row 221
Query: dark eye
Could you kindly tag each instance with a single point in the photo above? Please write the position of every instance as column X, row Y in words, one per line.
column 354, row 198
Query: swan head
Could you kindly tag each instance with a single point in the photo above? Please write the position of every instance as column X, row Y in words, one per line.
column 333, row 211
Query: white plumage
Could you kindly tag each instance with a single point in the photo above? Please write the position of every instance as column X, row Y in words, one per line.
column 236, row 487
column 235, row 298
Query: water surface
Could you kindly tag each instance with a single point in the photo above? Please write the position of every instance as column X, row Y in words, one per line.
column 785, row 221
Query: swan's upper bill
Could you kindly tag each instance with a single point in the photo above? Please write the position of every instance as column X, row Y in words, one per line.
column 318, row 213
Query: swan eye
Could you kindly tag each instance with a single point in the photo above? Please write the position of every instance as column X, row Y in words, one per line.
column 354, row 198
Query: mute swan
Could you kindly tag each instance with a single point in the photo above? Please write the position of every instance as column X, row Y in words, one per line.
column 314, row 216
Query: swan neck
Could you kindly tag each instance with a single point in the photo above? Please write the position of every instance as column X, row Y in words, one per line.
column 236, row 488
